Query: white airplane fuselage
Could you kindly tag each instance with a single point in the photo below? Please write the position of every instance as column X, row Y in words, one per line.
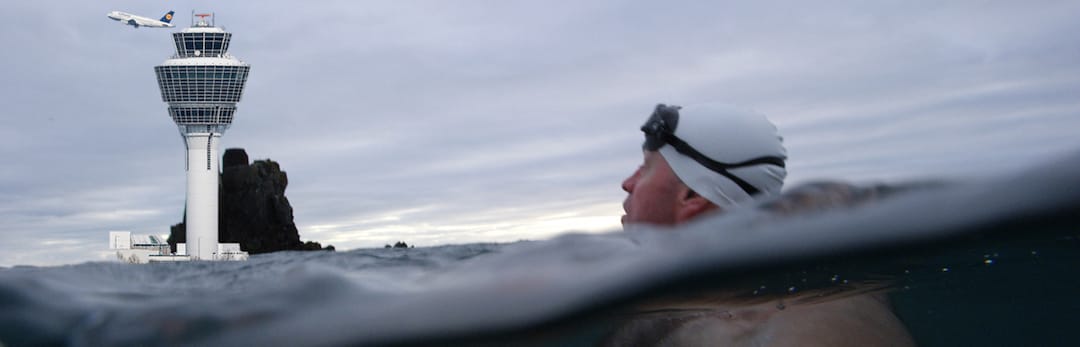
column 139, row 21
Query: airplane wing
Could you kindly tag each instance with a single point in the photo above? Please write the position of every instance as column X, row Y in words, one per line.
column 133, row 23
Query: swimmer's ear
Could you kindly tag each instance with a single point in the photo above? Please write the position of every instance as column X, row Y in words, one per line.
column 691, row 205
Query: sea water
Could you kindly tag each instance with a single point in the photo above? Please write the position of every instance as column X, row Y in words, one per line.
column 994, row 262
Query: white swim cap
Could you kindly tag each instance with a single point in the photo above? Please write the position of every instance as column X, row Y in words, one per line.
column 726, row 154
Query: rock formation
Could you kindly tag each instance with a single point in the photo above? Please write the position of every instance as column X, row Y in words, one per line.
column 399, row 244
column 252, row 208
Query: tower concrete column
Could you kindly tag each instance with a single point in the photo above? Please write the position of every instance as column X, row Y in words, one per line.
column 202, row 194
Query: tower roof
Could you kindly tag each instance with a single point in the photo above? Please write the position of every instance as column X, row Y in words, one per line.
column 205, row 61
column 202, row 29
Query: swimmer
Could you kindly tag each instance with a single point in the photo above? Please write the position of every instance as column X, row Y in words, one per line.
column 703, row 160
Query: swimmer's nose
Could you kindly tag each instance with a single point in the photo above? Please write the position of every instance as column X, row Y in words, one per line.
column 628, row 183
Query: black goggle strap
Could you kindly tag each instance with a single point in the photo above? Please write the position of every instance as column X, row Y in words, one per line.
column 718, row 167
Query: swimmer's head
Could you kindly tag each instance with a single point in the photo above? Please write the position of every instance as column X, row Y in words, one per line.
column 726, row 154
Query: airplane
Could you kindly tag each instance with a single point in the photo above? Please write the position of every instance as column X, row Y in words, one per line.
column 137, row 21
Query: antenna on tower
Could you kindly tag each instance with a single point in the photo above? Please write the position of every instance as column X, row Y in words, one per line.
column 202, row 19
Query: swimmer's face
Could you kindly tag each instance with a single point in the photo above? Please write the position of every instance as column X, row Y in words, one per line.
column 653, row 193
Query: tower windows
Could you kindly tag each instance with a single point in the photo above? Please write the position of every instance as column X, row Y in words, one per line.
column 201, row 44
column 207, row 83
column 209, row 114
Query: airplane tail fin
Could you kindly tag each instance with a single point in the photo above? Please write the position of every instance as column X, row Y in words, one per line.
column 167, row 17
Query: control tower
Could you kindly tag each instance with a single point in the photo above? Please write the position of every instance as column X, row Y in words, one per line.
column 202, row 84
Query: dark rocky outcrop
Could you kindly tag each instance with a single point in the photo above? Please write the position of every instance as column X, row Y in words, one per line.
column 252, row 208
column 399, row 244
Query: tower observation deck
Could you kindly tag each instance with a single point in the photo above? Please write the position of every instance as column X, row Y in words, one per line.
column 202, row 83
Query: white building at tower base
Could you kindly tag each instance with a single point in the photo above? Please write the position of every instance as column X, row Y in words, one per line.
column 142, row 249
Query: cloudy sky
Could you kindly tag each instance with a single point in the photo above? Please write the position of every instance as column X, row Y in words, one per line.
column 438, row 122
